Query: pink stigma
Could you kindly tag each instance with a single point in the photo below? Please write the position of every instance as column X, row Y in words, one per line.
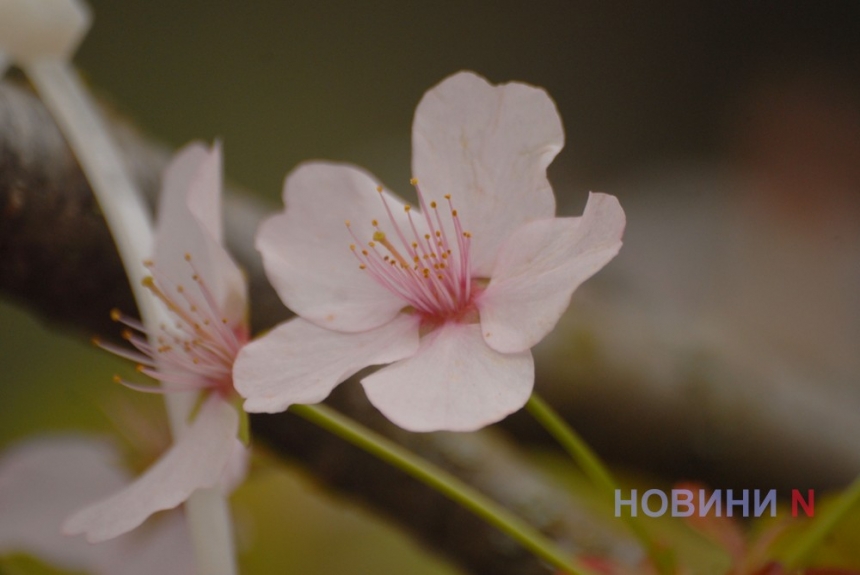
column 428, row 270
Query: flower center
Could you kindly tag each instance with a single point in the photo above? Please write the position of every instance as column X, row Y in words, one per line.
column 196, row 352
column 429, row 270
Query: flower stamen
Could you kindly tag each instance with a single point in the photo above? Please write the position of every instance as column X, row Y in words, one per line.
column 428, row 270
column 195, row 353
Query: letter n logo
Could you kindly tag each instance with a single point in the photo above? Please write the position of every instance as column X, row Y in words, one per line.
column 808, row 505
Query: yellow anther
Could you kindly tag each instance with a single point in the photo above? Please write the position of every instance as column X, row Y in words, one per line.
column 115, row 314
column 454, row 213
column 371, row 244
column 148, row 263
column 426, row 236
column 139, row 368
column 347, row 223
column 126, row 334
column 407, row 207
column 447, row 196
column 378, row 236
column 95, row 340
column 433, row 205
column 352, row 247
column 224, row 320
column 188, row 257
column 148, row 282
column 379, row 189
column 117, row 379
column 467, row 235
column 374, row 223
column 414, row 245
column 438, row 234
column 362, row 267
column 180, row 289
column 413, row 181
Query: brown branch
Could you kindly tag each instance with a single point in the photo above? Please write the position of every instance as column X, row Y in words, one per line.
column 57, row 259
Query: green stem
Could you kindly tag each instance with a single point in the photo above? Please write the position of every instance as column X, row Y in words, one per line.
column 597, row 472
column 823, row 525
column 443, row 482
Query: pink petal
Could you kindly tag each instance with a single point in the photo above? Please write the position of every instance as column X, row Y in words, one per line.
column 300, row 362
column 43, row 480
column 455, row 382
column 189, row 222
column 488, row 146
column 197, row 460
column 540, row 266
column 236, row 469
column 164, row 549
column 306, row 249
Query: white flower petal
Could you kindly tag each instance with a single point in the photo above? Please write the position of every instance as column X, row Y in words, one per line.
column 189, row 222
column 540, row 266
column 306, row 249
column 236, row 469
column 41, row 482
column 164, row 549
column 197, row 460
column 488, row 146
column 455, row 382
column 300, row 362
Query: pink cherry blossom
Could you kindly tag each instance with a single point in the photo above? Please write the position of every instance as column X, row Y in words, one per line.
column 452, row 292
column 204, row 294
column 42, row 480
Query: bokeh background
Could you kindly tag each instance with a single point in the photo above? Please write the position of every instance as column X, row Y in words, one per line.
column 729, row 130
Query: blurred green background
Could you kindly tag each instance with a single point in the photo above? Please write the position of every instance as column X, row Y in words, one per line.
column 642, row 87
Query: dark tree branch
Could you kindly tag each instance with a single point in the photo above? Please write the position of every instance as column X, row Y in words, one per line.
column 58, row 260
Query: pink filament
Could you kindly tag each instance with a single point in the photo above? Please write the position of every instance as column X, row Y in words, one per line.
column 195, row 353
column 429, row 271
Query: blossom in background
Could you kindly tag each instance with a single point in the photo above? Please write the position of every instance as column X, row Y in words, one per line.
column 205, row 326
column 453, row 292
column 42, row 480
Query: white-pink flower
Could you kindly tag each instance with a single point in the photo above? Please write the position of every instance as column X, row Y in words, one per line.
column 453, row 293
column 43, row 479
column 205, row 296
